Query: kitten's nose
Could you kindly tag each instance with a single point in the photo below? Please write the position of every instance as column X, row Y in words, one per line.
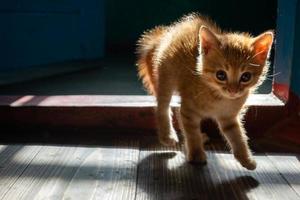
column 232, row 90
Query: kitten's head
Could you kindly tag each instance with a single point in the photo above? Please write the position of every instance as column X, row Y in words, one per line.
column 233, row 63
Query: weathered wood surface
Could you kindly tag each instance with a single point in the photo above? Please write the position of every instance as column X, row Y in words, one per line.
column 265, row 182
column 140, row 169
column 82, row 173
column 288, row 166
column 14, row 160
column 164, row 174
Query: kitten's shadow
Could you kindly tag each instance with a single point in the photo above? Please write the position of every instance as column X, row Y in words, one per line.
column 165, row 176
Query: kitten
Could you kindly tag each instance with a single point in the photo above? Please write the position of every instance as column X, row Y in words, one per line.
column 212, row 71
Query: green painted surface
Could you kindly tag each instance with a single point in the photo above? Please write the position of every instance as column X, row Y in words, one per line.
column 125, row 21
column 113, row 76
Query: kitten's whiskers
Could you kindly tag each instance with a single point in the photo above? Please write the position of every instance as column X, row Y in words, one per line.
column 256, row 55
column 253, row 64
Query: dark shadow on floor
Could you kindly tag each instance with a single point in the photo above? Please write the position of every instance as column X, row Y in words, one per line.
column 189, row 181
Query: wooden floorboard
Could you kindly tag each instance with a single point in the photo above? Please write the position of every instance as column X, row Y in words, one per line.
column 140, row 168
column 14, row 160
column 164, row 174
column 263, row 183
column 289, row 167
column 59, row 172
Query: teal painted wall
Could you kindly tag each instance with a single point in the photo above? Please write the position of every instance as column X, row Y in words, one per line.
column 37, row 32
column 126, row 20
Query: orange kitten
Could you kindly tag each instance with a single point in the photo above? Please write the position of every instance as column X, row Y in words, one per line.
column 213, row 72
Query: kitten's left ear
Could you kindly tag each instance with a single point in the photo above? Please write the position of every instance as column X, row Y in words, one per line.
column 262, row 45
column 208, row 40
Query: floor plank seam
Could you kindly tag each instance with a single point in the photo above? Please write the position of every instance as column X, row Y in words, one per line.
column 137, row 172
column 289, row 184
column 21, row 173
column 282, row 176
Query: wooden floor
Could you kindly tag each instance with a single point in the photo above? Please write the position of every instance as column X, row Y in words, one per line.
column 139, row 168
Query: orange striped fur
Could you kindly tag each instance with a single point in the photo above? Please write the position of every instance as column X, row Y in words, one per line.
column 212, row 71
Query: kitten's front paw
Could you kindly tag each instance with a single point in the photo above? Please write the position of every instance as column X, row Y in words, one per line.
column 249, row 164
column 169, row 141
column 196, row 157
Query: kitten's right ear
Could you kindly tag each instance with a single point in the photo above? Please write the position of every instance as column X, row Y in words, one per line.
column 208, row 40
column 262, row 45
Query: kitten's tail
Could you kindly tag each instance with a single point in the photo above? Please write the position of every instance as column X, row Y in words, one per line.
column 147, row 45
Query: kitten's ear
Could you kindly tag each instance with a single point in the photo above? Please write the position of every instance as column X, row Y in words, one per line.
column 208, row 40
column 262, row 45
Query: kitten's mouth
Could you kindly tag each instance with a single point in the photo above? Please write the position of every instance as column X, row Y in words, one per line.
column 233, row 96
column 236, row 95
column 230, row 95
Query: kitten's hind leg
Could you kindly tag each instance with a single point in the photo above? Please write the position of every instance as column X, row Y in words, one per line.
column 194, row 139
column 166, row 133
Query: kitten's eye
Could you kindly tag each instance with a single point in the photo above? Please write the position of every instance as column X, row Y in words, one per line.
column 221, row 75
column 246, row 77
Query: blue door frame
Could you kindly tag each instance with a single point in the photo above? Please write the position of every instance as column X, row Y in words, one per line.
column 295, row 74
column 287, row 59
